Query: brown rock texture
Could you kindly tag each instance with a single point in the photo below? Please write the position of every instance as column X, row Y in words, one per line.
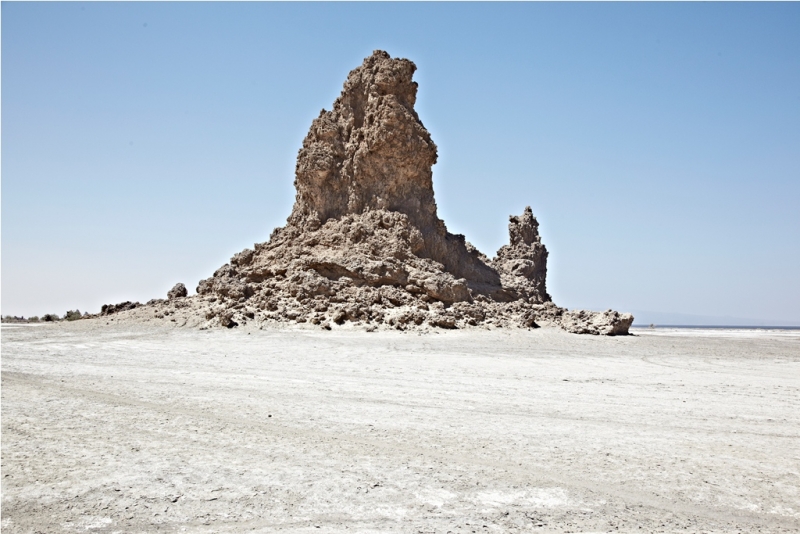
column 364, row 244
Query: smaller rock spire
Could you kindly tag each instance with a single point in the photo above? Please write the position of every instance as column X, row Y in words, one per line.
column 522, row 263
column 523, row 229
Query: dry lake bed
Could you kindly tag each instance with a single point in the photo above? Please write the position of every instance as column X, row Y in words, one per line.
column 139, row 429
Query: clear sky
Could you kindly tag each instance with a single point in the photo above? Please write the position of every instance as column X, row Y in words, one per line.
column 658, row 144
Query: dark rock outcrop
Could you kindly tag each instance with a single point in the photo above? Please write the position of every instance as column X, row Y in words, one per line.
column 110, row 309
column 178, row 291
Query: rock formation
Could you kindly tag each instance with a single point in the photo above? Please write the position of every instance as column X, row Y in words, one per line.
column 610, row 323
column 364, row 243
column 179, row 290
column 110, row 309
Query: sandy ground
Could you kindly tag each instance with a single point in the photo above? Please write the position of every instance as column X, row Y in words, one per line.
column 139, row 429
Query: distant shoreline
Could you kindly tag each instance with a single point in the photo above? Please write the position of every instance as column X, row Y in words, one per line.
column 742, row 327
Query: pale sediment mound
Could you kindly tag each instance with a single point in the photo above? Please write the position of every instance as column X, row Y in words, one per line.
column 364, row 244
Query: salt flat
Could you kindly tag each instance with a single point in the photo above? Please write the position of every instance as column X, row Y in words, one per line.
column 126, row 428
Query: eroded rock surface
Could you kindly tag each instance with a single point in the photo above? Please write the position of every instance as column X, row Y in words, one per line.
column 609, row 323
column 364, row 243
column 178, row 291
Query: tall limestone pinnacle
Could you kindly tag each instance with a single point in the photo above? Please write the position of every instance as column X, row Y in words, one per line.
column 364, row 245
column 372, row 152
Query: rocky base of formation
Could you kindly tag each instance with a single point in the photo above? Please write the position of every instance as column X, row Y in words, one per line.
column 212, row 312
column 364, row 245
column 362, row 271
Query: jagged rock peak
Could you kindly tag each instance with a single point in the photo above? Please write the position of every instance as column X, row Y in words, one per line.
column 378, row 75
column 524, row 229
column 370, row 151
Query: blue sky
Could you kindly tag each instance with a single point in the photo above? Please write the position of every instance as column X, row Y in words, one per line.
column 658, row 144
